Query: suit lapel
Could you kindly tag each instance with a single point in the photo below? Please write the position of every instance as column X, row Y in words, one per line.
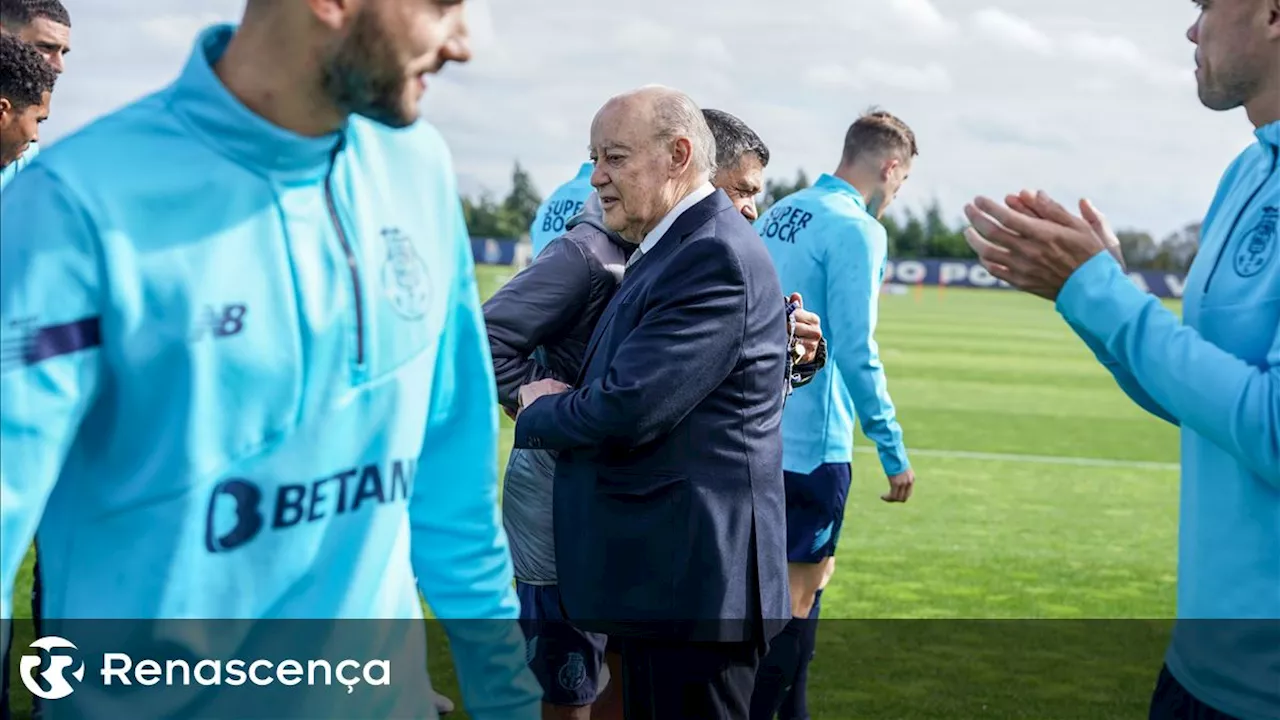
column 689, row 220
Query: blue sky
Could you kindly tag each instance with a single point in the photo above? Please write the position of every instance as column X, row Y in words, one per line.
column 1092, row 97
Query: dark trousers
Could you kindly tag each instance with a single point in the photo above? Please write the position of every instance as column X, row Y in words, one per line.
column 1172, row 701
column 672, row 680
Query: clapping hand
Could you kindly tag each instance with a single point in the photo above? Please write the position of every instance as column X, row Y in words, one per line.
column 1035, row 244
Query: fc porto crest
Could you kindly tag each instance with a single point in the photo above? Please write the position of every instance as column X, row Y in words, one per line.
column 404, row 276
column 573, row 673
column 1258, row 245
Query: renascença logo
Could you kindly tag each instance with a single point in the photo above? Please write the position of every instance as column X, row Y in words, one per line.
column 58, row 685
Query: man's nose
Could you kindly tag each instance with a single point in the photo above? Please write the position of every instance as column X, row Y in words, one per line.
column 749, row 210
column 599, row 178
column 55, row 59
column 458, row 49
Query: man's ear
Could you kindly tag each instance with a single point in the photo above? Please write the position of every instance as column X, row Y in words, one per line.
column 1273, row 19
column 681, row 155
column 6, row 109
column 887, row 168
column 334, row 14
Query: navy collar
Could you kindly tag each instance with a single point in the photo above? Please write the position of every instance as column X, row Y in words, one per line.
column 206, row 107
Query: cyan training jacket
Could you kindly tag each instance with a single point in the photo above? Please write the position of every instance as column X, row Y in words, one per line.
column 1216, row 374
column 245, row 375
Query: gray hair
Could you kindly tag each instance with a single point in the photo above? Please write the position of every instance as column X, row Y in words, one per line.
column 677, row 115
column 734, row 139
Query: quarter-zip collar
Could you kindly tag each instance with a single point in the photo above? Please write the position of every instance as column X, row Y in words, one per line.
column 1269, row 135
column 205, row 105
column 827, row 181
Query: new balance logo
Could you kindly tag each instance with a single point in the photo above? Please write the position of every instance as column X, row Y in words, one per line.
column 220, row 322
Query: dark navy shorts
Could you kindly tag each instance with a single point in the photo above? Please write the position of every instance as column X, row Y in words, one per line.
column 815, row 511
column 566, row 660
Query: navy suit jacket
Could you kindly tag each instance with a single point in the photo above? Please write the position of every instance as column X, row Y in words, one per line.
column 670, row 514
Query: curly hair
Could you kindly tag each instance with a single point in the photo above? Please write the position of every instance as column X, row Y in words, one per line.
column 24, row 75
column 17, row 14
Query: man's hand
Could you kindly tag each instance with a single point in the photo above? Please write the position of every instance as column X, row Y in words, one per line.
column 900, row 487
column 1033, row 251
column 537, row 389
column 1042, row 206
column 808, row 331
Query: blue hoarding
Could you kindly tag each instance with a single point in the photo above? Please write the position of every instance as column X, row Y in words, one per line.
column 930, row 272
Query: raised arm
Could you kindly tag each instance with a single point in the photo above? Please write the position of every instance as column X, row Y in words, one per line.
column 1203, row 387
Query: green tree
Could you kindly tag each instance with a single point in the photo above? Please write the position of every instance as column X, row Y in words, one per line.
column 775, row 190
column 521, row 205
column 1139, row 248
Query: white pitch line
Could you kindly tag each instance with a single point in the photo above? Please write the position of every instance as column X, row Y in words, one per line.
column 1036, row 459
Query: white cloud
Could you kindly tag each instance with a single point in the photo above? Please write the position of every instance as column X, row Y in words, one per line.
column 923, row 18
column 1115, row 51
column 712, row 49
column 991, row 110
column 644, row 36
column 1012, row 30
column 179, row 30
column 931, row 78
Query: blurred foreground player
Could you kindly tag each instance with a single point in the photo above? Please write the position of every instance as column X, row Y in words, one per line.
column 1215, row 373
column 266, row 381
column 827, row 242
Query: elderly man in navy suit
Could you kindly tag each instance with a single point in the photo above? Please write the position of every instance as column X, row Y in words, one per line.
column 669, row 502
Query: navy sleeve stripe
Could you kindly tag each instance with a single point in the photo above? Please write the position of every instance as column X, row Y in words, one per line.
column 55, row 340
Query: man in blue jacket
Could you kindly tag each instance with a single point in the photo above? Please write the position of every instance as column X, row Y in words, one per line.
column 45, row 25
column 561, row 206
column 26, row 82
column 245, row 373
column 826, row 241
column 1215, row 374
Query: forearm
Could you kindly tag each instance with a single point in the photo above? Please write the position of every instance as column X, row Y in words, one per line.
column 1203, row 387
column 1127, row 382
column 875, row 409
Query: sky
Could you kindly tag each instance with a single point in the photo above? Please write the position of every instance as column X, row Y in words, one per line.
column 1092, row 98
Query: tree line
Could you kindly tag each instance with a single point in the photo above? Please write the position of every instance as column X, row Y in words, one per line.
column 915, row 235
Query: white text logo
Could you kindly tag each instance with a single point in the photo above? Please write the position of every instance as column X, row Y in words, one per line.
column 58, row 685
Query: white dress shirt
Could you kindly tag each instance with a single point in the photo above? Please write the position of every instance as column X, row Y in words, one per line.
column 699, row 194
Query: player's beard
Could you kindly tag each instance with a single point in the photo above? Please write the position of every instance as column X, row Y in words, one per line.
column 363, row 75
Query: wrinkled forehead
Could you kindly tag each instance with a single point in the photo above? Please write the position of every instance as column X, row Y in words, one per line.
column 622, row 123
column 747, row 173
column 43, row 31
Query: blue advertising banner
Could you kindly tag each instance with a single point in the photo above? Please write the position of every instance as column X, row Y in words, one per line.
column 929, row 271
column 970, row 273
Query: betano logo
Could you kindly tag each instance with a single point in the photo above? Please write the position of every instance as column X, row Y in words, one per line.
column 58, row 685
column 116, row 667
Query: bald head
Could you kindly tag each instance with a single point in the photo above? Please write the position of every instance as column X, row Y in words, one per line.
column 651, row 147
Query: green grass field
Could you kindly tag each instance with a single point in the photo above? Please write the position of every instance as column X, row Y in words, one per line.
column 1043, row 495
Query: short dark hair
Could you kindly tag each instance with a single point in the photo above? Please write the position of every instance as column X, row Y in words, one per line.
column 24, row 75
column 17, row 14
column 734, row 139
column 877, row 133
